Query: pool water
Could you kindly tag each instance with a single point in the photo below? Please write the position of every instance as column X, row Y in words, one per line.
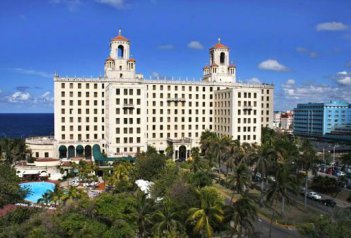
column 36, row 190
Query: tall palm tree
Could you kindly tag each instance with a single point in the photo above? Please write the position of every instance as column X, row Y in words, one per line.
column 143, row 210
column 241, row 178
column 206, row 141
column 308, row 159
column 207, row 214
column 263, row 159
column 242, row 214
column 284, row 183
column 166, row 220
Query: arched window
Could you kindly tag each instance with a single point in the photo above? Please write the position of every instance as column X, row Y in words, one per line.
column 222, row 58
column 120, row 67
column 121, row 75
column 120, row 52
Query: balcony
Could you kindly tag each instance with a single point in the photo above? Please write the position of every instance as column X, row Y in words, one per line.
column 179, row 141
column 176, row 100
column 247, row 107
column 128, row 106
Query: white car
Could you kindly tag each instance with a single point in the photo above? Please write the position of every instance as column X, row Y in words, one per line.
column 314, row 196
column 340, row 173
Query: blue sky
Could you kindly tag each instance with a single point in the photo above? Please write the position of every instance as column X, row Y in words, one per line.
column 302, row 46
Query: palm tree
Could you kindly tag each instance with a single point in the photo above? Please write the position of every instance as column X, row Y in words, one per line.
column 58, row 194
column 195, row 163
column 263, row 159
column 240, row 179
column 73, row 193
column 46, row 198
column 284, row 183
column 308, row 159
column 143, row 209
column 242, row 213
column 167, row 220
column 207, row 214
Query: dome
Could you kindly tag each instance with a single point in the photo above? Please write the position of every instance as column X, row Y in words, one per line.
column 120, row 37
column 219, row 45
column 131, row 60
column 109, row 59
column 232, row 66
column 214, row 65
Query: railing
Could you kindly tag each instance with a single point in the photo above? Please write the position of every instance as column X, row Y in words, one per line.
column 42, row 140
column 182, row 140
column 176, row 100
column 180, row 81
column 247, row 107
column 130, row 106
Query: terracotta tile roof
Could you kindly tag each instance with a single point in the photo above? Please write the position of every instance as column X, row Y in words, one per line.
column 220, row 46
column 46, row 159
column 109, row 58
column 120, row 38
column 131, row 60
column 214, row 65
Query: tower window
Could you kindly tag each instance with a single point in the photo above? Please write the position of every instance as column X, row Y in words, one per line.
column 120, row 51
column 222, row 58
column 121, row 75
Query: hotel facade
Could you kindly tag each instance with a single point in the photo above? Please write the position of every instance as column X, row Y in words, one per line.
column 123, row 113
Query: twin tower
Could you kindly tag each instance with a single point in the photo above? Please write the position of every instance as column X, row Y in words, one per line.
column 119, row 65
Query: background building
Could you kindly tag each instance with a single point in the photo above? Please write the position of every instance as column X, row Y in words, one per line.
column 322, row 119
column 122, row 113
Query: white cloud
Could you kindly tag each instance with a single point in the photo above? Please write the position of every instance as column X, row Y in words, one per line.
column 166, row 47
column 195, row 45
column 254, row 80
column 272, row 64
column 311, row 54
column 293, row 93
column 331, row 26
column 118, row 4
column 19, row 97
column 32, row 72
column 343, row 78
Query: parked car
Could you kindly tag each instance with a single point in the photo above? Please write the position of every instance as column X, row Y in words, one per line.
column 340, row 173
column 328, row 202
column 314, row 195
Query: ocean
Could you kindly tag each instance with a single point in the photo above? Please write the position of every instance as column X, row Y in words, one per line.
column 22, row 125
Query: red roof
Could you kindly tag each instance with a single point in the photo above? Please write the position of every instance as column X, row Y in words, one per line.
column 109, row 58
column 46, row 160
column 206, row 67
column 232, row 66
column 131, row 60
column 220, row 46
column 214, row 65
column 120, row 38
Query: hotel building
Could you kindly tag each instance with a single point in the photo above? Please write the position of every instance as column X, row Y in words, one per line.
column 123, row 113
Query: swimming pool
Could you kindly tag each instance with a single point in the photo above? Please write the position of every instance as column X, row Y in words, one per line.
column 36, row 190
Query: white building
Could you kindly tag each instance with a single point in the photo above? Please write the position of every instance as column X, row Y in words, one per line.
column 123, row 113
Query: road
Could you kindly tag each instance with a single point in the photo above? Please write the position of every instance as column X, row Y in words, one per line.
column 262, row 230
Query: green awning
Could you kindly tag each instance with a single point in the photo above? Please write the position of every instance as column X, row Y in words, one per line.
column 98, row 156
column 80, row 148
column 62, row 148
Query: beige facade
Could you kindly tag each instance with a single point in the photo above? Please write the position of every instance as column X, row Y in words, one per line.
column 124, row 113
